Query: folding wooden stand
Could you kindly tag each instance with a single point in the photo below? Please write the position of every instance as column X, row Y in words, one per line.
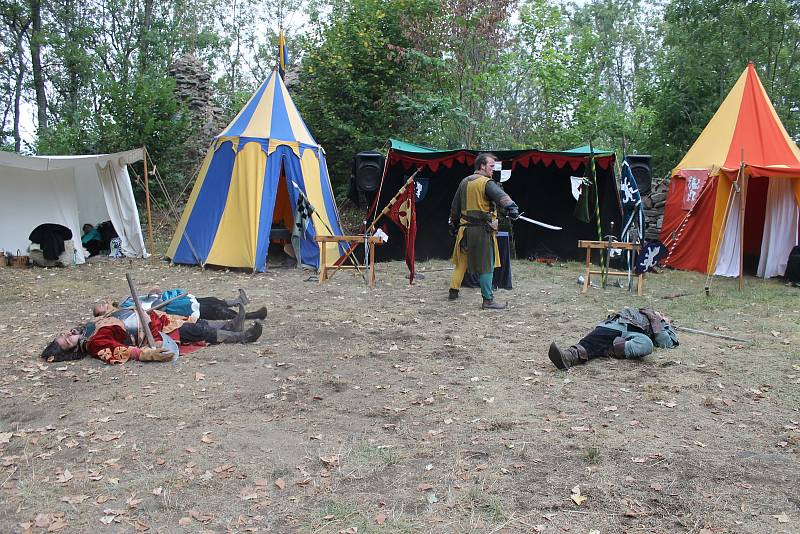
column 326, row 272
column 589, row 245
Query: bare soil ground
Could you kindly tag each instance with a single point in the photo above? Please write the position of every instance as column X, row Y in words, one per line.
column 394, row 410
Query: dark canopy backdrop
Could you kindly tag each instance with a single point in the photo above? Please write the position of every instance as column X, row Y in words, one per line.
column 540, row 184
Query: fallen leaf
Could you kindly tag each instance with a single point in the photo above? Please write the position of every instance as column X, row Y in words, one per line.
column 185, row 521
column 42, row 520
column 200, row 516
column 206, row 439
column 249, row 496
column 333, row 460
column 431, row 498
column 576, row 496
column 424, row 487
column 280, row 484
column 782, row 517
column 66, row 476
column 199, row 376
column 57, row 525
column 656, row 486
column 74, row 499
column 380, row 518
column 107, row 519
column 224, row 467
column 5, row 437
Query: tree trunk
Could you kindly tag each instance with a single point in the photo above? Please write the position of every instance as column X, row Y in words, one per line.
column 18, row 88
column 71, row 65
column 36, row 64
column 144, row 36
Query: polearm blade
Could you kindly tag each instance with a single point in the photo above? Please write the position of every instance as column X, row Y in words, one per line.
column 539, row 223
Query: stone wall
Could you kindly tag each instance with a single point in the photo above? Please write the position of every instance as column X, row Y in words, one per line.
column 654, row 209
column 193, row 87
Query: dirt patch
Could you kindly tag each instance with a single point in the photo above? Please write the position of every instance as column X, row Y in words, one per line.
column 394, row 410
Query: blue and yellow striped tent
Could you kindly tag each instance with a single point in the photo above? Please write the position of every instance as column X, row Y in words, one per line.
column 247, row 184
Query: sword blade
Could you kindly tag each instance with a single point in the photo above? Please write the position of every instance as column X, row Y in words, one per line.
column 539, row 223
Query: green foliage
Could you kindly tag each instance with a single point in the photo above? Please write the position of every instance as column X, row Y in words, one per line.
column 357, row 80
column 706, row 46
column 631, row 75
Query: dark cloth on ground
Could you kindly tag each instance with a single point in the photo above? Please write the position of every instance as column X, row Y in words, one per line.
column 50, row 237
column 215, row 309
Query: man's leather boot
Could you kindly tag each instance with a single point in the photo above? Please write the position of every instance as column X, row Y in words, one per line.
column 237, row 323
column 260, row 313
column 241, row 299
column 492, row 305
column 453, row 294
column 248, row 336
column 564, row 359
column 617, row 348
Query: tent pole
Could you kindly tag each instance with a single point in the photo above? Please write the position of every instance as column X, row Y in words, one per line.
column 742, row 202
column 147, row 203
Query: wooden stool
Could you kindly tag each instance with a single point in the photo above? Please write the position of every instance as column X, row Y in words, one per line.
column 589, row 245
column 326, row 272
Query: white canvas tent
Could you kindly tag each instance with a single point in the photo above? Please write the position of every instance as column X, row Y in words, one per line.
column 71, row 191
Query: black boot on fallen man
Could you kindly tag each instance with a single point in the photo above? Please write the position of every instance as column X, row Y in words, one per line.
column 248, row 336
column 260, row 313
column 237, row 323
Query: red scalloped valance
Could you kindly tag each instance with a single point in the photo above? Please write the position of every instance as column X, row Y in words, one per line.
column 467, row 158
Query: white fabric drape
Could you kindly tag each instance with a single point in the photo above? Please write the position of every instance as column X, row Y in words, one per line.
column 780, row 228
column 729, row 251
column 71, row 191
column 121, row 205
column 30, row 198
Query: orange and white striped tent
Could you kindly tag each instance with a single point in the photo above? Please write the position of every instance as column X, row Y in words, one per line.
column 733, row 199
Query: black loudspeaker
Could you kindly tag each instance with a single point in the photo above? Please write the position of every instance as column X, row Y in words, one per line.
column 793, row 266
column 642, row 171
column 367, row 171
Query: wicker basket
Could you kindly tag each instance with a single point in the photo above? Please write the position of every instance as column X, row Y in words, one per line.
column 19, row 261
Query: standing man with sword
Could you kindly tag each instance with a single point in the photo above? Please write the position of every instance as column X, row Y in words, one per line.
column 473, row 221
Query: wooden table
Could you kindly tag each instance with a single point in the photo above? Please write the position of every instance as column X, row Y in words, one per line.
column 589, row 245
column 326, row 271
